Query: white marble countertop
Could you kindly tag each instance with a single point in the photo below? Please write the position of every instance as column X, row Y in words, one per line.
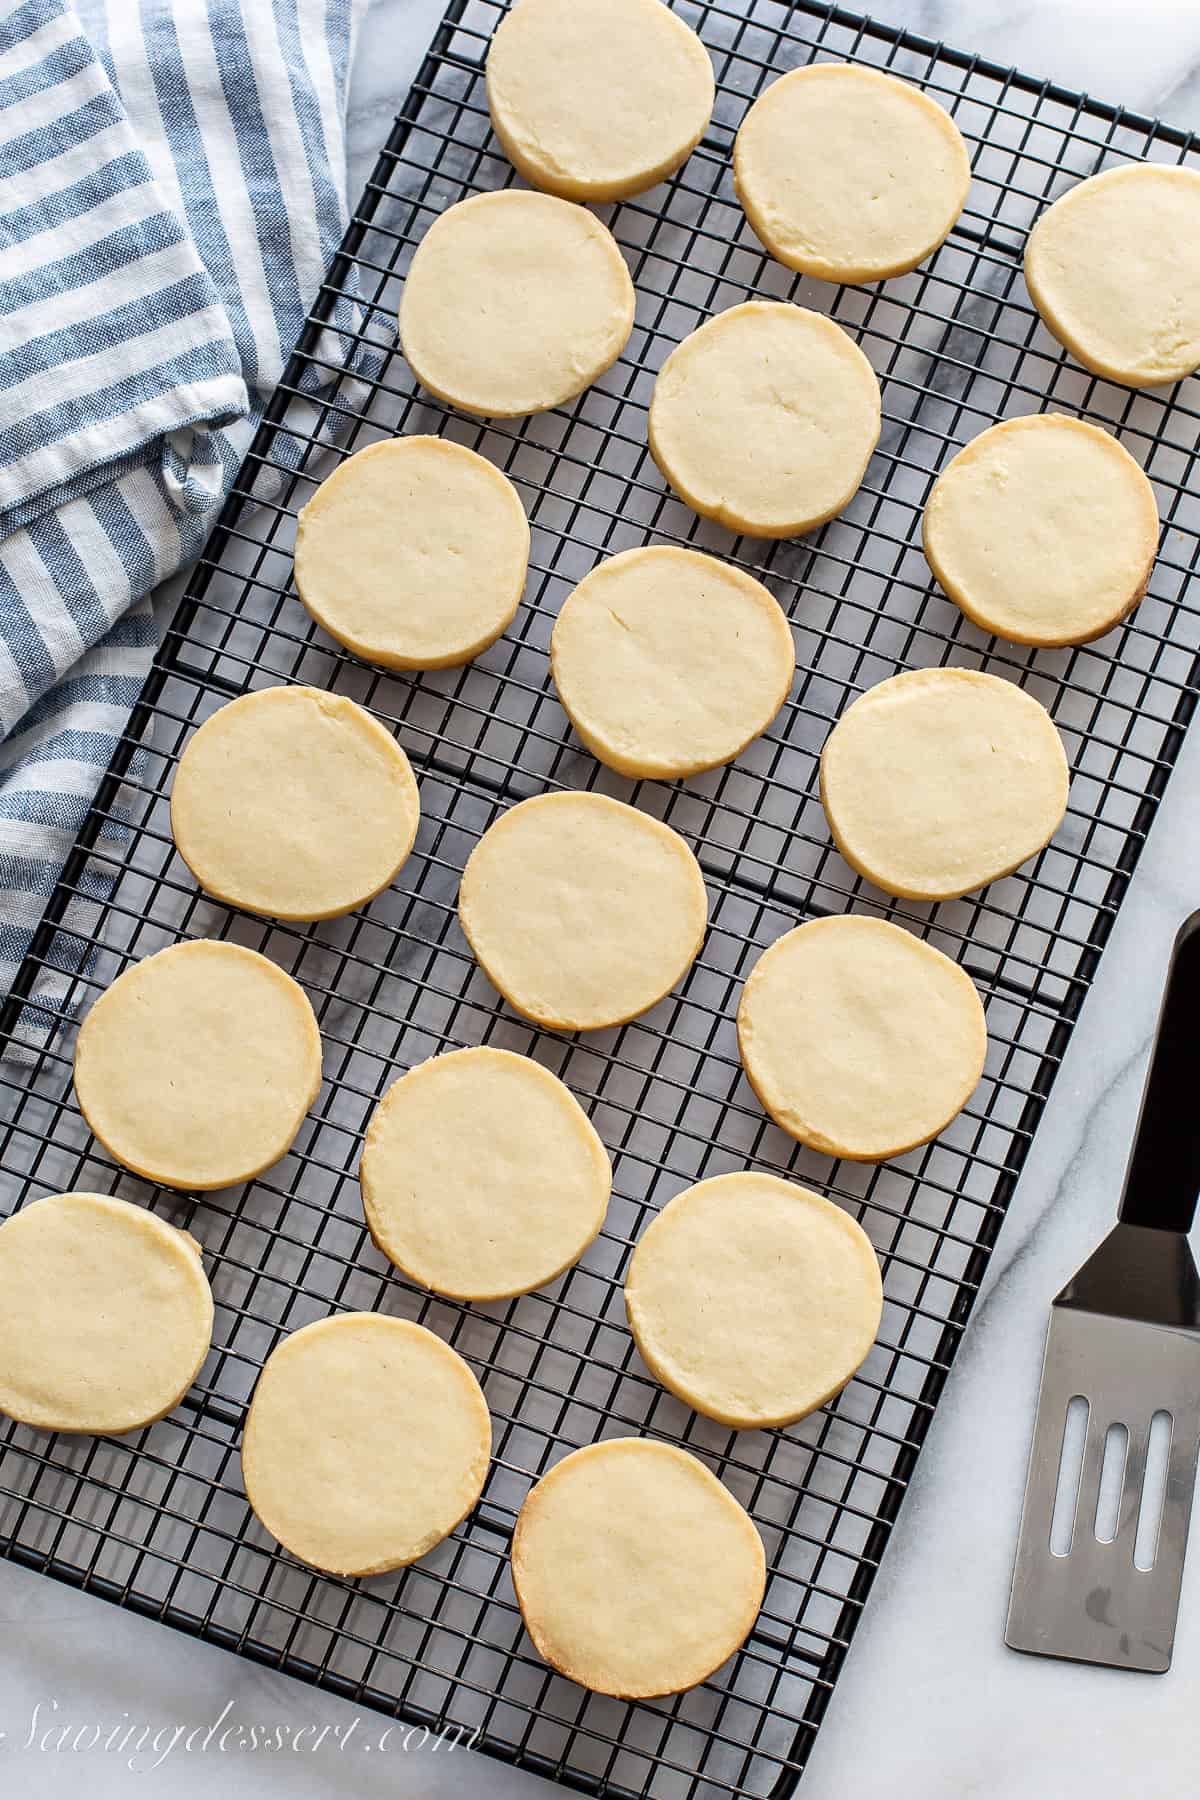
column 930, row 1703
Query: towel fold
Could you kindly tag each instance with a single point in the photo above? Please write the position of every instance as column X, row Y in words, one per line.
column 172, row 189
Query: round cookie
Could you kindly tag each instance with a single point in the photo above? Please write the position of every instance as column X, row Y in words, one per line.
column 413, row 554
column 1114, row 270
column 597, row 99
column 1043, row 529
column 482, row 1176
column 937, row 781
column 515, row 302
column 753, row 1300
column 326, row 811
column 367, row 1441
column 583, row 911
column 197, row 1066
column 849, row 174
column 858, row 1038
column 636, row 1572
column 765, row 419
column 105, row 1315
column 668, row 662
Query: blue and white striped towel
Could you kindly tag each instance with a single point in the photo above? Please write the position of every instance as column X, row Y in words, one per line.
column 172, row 187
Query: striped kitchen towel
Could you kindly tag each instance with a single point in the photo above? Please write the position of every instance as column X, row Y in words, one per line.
column 172, row 188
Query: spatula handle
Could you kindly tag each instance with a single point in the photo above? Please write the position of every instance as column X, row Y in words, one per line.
column 1163, row 1178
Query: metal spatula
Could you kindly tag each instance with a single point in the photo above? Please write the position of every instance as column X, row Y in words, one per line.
column 1125, row 1336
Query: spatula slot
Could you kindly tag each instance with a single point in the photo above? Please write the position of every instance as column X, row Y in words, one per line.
column 1154, row 1489
column 1112, row 1482
column 1070, row 1468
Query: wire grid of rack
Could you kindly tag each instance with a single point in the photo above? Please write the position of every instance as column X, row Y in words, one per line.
column 158, row 1522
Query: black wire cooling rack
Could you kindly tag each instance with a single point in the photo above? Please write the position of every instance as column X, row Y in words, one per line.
column 158, row 1522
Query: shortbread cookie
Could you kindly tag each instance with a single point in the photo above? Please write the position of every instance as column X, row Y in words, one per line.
column 597, row 99
column 668, row 662
column 197, row 1066
column 849, row 174
column 1114, row 269
column 753, row 1300
column 105, row 1315
column 367, row 1441
column 581, row 910
column 482, row 1176
column 860, row 1039
column 515, row 302
column 636, row 1572
column 765, row 419
column 294, row 803
column 413, row 554
column 937, row 781
column 1043, row 530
